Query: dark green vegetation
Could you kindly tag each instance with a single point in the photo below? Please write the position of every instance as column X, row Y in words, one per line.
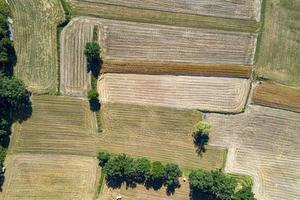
column 8, row 56
column 92, row 53
column 125, row 169
column 201, row 136
column 215, row 185
column 15, row 102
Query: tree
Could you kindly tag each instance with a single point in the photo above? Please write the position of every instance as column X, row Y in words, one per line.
column 244, row 194
column 140, row 167
column 116, row 170
column 103, row 158
column 201, row 135
column 212, row 185
column 172, row 177
column 93, row 94
column 92, row 52
column 156, row 176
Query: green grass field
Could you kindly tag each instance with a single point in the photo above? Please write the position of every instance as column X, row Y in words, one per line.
column 279, row 53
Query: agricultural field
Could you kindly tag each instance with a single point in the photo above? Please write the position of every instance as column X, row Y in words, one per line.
column 244, row 9
column 35, row 40
column 96, row 8
column 141, row 193
column 277, row 96
column 58, row 125
column 263, row 143
column 279, row 54
column 159, row 68
column 51, row 177
column 149, row 42
column 189, row 92
column 157, row 133
column 74, row 79
column 64, row 125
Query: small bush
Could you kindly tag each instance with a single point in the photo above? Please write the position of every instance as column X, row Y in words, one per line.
column 93, row 94
column 103, row 158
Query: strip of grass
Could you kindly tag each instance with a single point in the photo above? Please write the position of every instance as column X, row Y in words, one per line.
column 108, row 11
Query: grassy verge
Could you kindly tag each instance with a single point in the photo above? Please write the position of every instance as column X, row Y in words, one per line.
column 68, row 15
column 101, row 182
column 162, row 17
column 261, row 30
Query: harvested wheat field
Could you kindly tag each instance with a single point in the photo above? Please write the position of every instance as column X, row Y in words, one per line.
column 51, row 177
column 277, row 96
column 130, row 41
column 263, row 143
column 158, row 68
column 57, row 125
column 244, row 9
column 161, row 134
column 192, row 92
column 96, row 8
column 35, row 41
column 279, row 54
column 75, row 80
column 141, row 193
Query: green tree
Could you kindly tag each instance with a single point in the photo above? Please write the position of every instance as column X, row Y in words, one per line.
column 172, row 177
column 103, row 158
column 140, row 167
column 93, row 94
column 116, row 169
column 92, row 52
column 156, row 176
column 212, row 185
column 201, row 135
column 244, row 194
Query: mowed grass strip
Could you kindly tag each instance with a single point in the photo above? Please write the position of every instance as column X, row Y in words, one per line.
column 141, row 193
column 167, row 68
column 277, row 96
column 35, row 40
column 157, row 133
column 279, row 51
column 58, row 125
column 51, row 177
column 125, row 13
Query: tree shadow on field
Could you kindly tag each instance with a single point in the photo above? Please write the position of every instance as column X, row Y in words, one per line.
column 1, row 181
column 154, row 184
column 200, row 141
column 94, row 105
column 199, row 195
column 94, row 66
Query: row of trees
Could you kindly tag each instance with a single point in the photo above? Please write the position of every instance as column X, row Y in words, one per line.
column 215, row 185
column 92, row 52
column 124, row 169
column 15, row 102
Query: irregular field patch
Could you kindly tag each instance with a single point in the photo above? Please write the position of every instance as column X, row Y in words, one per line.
column 158, row 68
column 64, row 125
column 132, row 41
column 279, row 57
column 75, row 80
column 263, row 143
column 126, row 13
column 204, row 93
column 35, row 41
column 141, row 193
column 277, row 96
column 51, row 177
column 244, row 9
column 57, row 125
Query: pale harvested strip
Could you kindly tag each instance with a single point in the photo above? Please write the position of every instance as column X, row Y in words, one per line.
column 168, row 68
column 35, row 41
column 74, row 79
column 243, row 9
column 141, row 193
column 125, row 13
column 277, row 96
column 161, row 134
column 57, row 125
column 263, row 143
column 205, row 93
column 51, row 177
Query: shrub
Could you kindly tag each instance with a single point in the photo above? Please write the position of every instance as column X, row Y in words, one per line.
column 103, row 158
column 93, row 94
column 244, row 194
